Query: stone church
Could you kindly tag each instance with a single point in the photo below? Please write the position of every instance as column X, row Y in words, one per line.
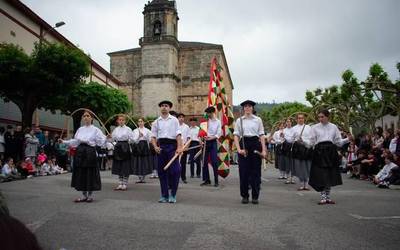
column 165, row 68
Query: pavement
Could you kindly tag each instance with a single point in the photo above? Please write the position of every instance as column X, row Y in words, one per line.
column 364, row 217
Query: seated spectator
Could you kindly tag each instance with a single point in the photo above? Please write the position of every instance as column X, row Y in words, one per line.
column 55, row 169
column 9, row 171
column 45, row 168
column 355, row 165
column 42, row 157
column 369, row 167
column 385, row 171
column 27, row 168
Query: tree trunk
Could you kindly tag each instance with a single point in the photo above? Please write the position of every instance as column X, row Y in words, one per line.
column 29, row 106
column 76, row 121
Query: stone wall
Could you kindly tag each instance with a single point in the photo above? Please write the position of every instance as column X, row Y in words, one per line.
column 155, row 90
column 194, row 71
column 159, row 59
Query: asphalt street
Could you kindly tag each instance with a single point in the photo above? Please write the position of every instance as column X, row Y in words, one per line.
column 364, row 217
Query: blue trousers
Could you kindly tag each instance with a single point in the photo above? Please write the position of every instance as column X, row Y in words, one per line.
column 250, row 169
column 192, row 161
column 211, row 151
column 168, row 178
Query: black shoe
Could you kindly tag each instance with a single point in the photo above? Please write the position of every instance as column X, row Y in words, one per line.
column 206, row 183
column 216, row 185
column 245, row 200
column 199, row 176
column 254, row 201
column 184, row 181
column 191, row 176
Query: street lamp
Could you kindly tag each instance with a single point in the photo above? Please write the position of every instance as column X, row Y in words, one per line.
column 58, row 24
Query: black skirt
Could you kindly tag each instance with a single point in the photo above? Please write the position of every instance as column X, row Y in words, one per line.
column 122, row 160
column 325, row 171
column 143, row 159
column 86, row 172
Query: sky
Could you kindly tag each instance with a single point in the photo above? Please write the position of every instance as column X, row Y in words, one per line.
column 276, row 50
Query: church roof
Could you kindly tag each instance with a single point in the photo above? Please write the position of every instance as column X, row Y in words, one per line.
column 199, row 45
column 125, row 51
column 182, row 45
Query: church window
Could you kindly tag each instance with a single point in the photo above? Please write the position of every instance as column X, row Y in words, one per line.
column 157, row 28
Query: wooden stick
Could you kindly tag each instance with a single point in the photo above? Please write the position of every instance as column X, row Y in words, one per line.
column 176, row 155
column 198, row 154
column 198, row 146
column 262, row 158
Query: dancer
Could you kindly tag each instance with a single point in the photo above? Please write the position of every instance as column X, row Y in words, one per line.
column 166, row 139
column 249, row 138
column 86, row 174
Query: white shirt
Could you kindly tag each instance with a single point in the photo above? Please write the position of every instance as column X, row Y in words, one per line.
column 165, row 128
column 385, row 171
column 252, row 126
column 6, row 170
column 289, row 134
column 194, row 133
column 185, row 132
column 214, row 127
column 277, row 137
column 122, row 133
column 146, row 134
column 305, row 136
column 392, row 145
column 326, row 132
column 90, row 135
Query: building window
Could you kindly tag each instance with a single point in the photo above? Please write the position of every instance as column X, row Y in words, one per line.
column 157, row 28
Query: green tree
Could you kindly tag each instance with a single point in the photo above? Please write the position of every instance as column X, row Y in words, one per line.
column 383, row 88
column 102, row 100
column 281, row 112
column 28, row 80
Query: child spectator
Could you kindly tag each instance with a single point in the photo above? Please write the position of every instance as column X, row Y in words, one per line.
column 28, row 168
column 45, row 169
column 55, row 169
column 355, row 165
column 385, row 171
column 42, row 157
column 9, row 171
column 369, row 167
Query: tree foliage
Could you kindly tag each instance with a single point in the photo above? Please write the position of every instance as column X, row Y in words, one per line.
column 281, row 112
column 27, row 80
column 354, row 103
column 100, row 99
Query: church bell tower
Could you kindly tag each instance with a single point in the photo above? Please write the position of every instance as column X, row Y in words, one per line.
column 159, row 47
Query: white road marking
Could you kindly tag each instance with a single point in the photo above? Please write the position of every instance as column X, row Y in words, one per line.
column 374, row 217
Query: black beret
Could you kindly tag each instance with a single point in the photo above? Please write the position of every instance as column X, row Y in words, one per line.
column 210, row 109
column 165, row 102
column 180, row 114
column 248, row 102
column 174, row 113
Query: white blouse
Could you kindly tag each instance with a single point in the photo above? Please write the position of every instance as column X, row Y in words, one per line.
column 289, row 134
column 194, row 133
column 122, row 133
column 252, row 126
column 326, row 132
column 145, row 134
column 214, row 127
column 277, row 137
column 305, row 136
column 185, row 132
column 90, row 135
